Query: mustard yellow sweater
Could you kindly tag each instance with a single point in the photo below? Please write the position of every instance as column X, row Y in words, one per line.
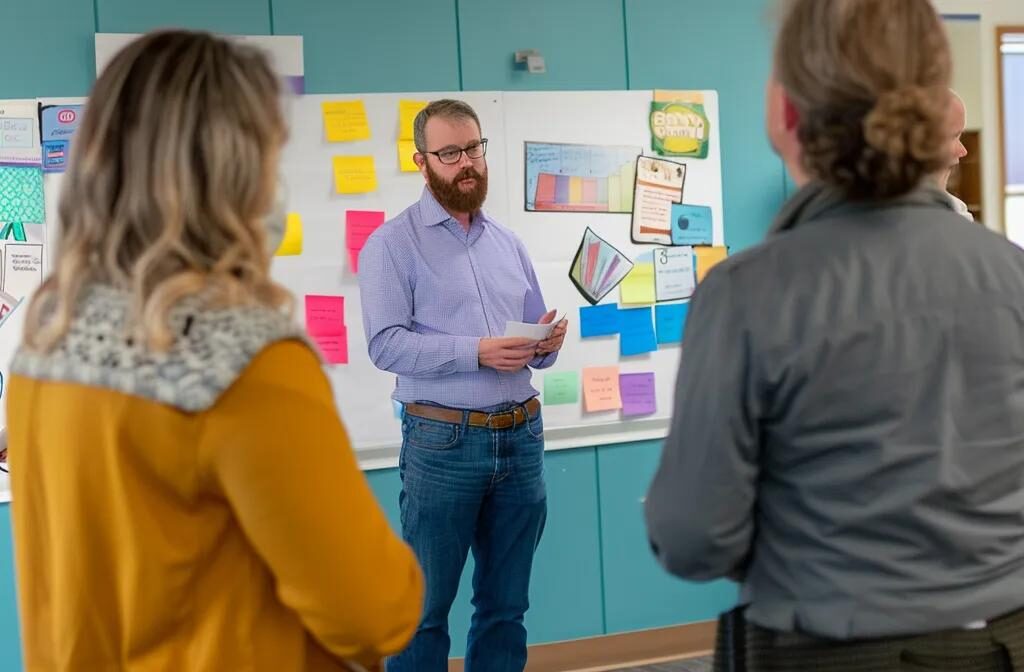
column 240, row 538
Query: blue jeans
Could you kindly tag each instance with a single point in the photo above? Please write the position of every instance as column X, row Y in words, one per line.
column 473, row 488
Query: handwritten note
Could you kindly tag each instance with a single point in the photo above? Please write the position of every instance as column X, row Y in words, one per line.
column 359, row 225
column 325, row 323
column 636, row 332
column 407, row 111
column 638, row 285
column 561, row 388
column 406, row 151
column 638, row 394
column 601, row 389
column 707, row 258
column 291, row 244
column 345, row 121
column 670, row 320
column 600, row 320
column 673, row 273
column 354, row 174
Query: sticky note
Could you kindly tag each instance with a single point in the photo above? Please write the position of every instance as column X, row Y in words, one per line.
column 561, row 388
column 359, row 224
column 674, row 278
column 324, row 314
column 670, row 320
column 638, row 285
column 407, row 111
column 691, row 224
column 354, row 174
column 291, row 244
column 638, row 394
column 600, row 320
column 601, row 389
column 707, row 258
column 334, row 347
column 406, row 150
column 636, row 331
column 345, row 121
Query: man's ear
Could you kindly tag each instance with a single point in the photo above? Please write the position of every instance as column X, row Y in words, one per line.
column 791, row 115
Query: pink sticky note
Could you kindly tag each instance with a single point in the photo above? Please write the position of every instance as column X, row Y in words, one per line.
column 334, row 347
column 353, row 260
column 359, row 224
column 601, row 389
column 325, row 315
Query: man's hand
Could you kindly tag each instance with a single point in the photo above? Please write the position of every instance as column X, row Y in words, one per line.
column 553, row 343
column 507, row 354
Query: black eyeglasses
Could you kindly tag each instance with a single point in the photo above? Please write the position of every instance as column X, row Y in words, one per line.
column 450, row 155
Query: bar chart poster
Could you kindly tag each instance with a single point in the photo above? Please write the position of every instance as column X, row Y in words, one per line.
column 562, row 177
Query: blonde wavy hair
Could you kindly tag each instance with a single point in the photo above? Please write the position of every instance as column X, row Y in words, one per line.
column 870, row 80
column 173, row 170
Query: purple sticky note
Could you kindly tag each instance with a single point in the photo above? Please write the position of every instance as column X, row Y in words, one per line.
column 638, row 394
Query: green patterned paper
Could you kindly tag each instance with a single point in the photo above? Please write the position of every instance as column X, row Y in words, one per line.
column 21, row 195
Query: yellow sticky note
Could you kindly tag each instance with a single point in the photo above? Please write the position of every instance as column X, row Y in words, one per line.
column 665, row 96
column 601, row 391
column 707, row 258
column 407, row 111
column 345, row 121
column 638, row 285
column 291, row 244
column 406, row 150
column 354, row 174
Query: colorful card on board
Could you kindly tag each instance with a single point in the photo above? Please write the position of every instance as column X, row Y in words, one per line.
column 597, row 267
column 691, row 225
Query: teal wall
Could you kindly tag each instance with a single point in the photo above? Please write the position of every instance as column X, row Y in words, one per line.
column 593, row 572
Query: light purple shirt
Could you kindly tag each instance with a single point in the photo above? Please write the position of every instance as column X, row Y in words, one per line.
column 430, row 292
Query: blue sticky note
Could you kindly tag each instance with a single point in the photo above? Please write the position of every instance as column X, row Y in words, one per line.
column 691, row 224
column 58, row 125
column 670, row 319
column 599, row 320
column 636, row 331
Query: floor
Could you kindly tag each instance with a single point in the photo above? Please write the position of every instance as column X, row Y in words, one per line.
column 689, row 665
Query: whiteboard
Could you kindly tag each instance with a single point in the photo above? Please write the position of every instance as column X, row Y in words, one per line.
column 508, row 119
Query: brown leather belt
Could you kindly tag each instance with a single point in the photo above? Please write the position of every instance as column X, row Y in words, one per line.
column 503, row 420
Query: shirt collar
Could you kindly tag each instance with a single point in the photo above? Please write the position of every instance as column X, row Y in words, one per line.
column 817, row 199
column 432, row 214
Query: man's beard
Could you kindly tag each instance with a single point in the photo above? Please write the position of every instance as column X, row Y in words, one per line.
column 451, row 197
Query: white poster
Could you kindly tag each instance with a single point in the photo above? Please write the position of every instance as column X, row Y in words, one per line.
column 19, row 133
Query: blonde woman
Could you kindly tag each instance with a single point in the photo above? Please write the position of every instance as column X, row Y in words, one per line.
column 848, row 436
column 185, row 496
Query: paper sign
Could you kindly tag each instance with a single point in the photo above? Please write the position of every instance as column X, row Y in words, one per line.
column 601, row 320
column 708, row 258
column 345, row 121
column 670, row 320
column 59, row 123
column 638, row 285
column 21, row 194
column 19, row 132
column 636, row 332
column 561, row 388
column 407, row 111
column 674, row 278
column 23, row 268
column 334, row 347
column 537, row 332
column 354, row 174
column 597, row 267
column 291, row 244
column 659, row 184
column 638, row 394
column 601, row 389
column 324, row 314
column 691, row 225
column 406, row 151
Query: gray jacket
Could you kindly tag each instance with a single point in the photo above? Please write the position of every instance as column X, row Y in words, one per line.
column 848, row 435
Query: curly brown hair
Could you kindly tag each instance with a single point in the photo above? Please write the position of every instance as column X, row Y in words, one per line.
column 870, row 80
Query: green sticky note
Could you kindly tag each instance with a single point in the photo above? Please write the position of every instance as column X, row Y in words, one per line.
column 21, row 195
column 562, row 388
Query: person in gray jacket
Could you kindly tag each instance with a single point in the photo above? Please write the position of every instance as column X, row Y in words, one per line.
column 848, row 433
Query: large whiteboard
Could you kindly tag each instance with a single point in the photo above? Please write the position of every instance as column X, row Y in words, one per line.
column 508, row 119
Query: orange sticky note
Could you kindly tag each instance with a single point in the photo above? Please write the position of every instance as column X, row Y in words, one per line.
column 707, row 258
column 601, row 390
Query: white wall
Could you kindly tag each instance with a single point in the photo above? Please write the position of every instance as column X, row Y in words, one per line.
column 993, row 13
column 965, row 39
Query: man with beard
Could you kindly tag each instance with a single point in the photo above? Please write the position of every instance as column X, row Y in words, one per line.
column 438, row 284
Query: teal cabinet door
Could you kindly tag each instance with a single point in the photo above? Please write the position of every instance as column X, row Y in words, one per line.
column 639, row 594
column 366, row 47
column 582, row 42
column 241, row 17
column 10, row 644
column 727, row 46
